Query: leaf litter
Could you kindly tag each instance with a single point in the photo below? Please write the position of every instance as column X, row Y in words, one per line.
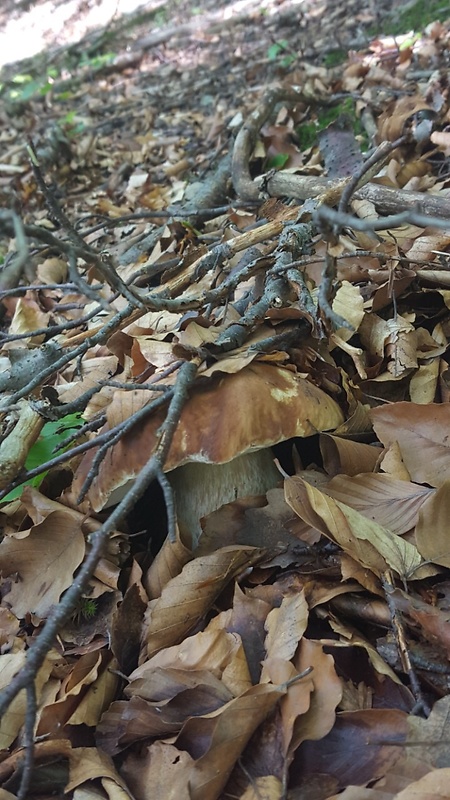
column 225, row 303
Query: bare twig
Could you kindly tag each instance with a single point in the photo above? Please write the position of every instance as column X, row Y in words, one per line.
column 40, row 647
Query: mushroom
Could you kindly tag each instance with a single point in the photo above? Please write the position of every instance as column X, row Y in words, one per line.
column 221, row 449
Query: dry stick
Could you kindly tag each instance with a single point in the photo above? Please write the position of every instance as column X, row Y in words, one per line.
column 41, row 646
column 98, row 338
column 103, row 264
column 376, row 160
column 36, row 287
column 28, row 761
column 394, row 221
column 12, row 272
column 403, row 651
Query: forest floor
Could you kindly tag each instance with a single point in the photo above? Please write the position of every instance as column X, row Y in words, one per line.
column 201, row 257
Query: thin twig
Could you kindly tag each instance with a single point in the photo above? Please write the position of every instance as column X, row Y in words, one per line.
column 40, row 646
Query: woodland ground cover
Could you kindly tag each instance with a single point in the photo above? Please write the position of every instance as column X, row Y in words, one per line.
column 224, row 464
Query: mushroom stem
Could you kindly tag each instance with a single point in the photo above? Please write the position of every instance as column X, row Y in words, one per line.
column 202, row 488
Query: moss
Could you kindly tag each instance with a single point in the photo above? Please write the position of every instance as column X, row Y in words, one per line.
column 307, row 132
column 414, row 17
column 334, row 58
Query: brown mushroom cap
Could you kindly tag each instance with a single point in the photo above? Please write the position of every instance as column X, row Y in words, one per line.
column 255, row 408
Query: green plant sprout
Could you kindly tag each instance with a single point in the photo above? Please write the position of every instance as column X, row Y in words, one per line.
column 276, row 49
column 86, row 610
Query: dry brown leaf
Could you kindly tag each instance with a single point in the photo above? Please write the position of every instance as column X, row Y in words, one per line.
column 319, row 719
column 247, row 620
column 285, row 627
column 188, row 596
column 88, row 763
column 424, row 383
column 392, row 463
column 361, row 747
column 417, row 429
column 367, row 542
column 214, row 649
column 355, row 639
column 394, row 504
column 160, row 771
column 13, row 719
column 127, row 722
column 267, row 787
column 296, row 702
column 217, row 740
column 91, row 671
column 41, row 567
column 168, row 563
column 432, row 529
column 433, row 786
column 346, row 456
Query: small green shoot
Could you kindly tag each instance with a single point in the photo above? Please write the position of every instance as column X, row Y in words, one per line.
column 86, row 610
column 275, row 51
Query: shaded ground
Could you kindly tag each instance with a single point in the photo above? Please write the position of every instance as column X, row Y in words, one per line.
column 124, row 124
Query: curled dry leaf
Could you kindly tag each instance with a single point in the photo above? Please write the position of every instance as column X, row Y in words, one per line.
column 13, row 719
column 89, row 764
column 188, row 596
column 367, row 542
column 394, row 504
column 217, row 740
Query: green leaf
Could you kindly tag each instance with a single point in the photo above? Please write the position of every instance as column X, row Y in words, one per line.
column 52, row 434
column 278, row 161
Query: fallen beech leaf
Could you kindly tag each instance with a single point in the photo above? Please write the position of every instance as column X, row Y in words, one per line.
column 88, row 763
column 326, row 695
column 214, row 649
column 361, row 747
column 158, row 772
column 267, row 787
column 297, row 700
column 130, row 721
column 247, row 620
column 355, row 639
column 169, row 562
column 14, row 717
column 417, row 429
column 432, row 532
column 87, row 672
column 44, row 562
column 188, row 596
column 366, row 541
column 217, row 740
column 345, row 456
column 433, row 786
column 394, row 504
column 285, row 627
